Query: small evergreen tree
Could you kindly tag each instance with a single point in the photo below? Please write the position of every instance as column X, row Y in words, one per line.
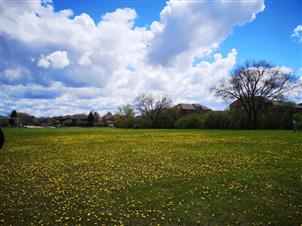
column 90, row 119
column 13, row 118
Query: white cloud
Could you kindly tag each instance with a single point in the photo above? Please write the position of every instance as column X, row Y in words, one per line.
column 43, row 62
column 296, row 93
column 85, row 60
column 57, row 59
column 121, row 16
column 18, row 75
column 161, row 56
column 297, row 34
column 123, row 87
column 284, row 69
column 13, row 73
column 189, row 28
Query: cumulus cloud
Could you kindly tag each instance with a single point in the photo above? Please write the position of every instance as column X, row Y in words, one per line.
column 85, row 59
column 122, row 87
column 57, row 59
column 283, row 69
column 188, row 28
column 113, row 60
column 297, row 34
column 296, row 93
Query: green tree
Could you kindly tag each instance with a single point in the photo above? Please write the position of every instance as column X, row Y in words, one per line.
column 125, row 116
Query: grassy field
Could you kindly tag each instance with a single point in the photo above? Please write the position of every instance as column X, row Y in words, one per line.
column 148, row 177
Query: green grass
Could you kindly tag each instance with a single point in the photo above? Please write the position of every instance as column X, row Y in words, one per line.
column 147, row 177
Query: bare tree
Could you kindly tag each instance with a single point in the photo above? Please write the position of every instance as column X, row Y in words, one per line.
column 152, row 106
column 254, row 85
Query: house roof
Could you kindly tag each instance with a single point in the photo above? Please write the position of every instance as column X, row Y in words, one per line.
column 201, row 106
column 68, row 120
column 80, row 116
column 77, row 116
column 192, row 106
column 237, row 102
column 280, row 103
column 187, row 106
column 288, row 104
column 108, row 116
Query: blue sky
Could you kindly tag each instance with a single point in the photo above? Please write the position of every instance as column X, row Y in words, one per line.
column 147, row 11
column 268, row 37
column 65, row 57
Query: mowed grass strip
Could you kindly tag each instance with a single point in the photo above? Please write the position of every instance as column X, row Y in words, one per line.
column 95, row 176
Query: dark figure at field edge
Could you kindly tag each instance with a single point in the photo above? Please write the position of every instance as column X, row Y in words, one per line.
column 1, row 138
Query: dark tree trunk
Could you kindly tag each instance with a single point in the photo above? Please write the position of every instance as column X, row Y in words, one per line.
column 254, row 121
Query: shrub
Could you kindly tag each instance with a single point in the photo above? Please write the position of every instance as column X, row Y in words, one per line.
column 298, row 121
column 124, row 121
column 215, row 120
column 238, row 120
column 192, row 121
column 165, row 120
column 143, row 122
column 276, row 118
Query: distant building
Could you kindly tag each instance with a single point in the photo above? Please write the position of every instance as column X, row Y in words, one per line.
column 109, row 119
column 296, row 107
column 71, row 120
column 235, row 105
column 183, row 109
column 4, row 121
column 67, row 122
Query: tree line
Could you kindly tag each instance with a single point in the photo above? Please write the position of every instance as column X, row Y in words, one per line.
column 255, row 87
